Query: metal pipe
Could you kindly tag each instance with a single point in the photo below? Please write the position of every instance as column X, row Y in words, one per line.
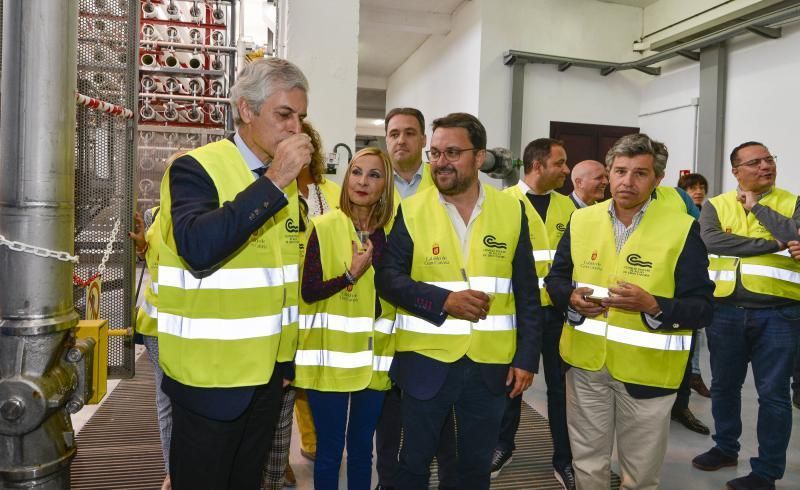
column 190, row 46
column 39, row 372
column 512, row 57
column 147, row 95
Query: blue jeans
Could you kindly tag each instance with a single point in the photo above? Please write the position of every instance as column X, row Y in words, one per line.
column 767, row 338
column 477, row 419
column 163, row 405
column 335, row 426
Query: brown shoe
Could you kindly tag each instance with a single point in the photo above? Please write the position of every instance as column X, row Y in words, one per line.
column 696, row 383
column 289, row 479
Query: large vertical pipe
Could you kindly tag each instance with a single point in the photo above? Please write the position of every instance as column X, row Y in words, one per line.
column 37, row 138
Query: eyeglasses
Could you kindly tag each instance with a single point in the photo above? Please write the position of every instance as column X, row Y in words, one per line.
column 450, row 154
column 770, row 160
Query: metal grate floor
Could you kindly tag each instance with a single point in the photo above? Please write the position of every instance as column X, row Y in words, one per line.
column 119, row 448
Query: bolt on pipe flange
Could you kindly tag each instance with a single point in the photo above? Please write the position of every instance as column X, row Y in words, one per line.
column 12, row 409
column 74, row 355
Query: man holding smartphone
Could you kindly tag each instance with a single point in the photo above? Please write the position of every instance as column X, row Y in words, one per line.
column 631, row 277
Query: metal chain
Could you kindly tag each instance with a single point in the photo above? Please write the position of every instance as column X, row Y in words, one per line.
column 109, row 246
column 38, row 251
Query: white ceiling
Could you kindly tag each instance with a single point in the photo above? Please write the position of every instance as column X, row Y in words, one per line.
column 390, row 31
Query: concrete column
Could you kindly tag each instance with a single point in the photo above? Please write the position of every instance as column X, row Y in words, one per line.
column 711, row 159
column 321, row 37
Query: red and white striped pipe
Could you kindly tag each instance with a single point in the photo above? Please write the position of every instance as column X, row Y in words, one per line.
column 100, row 105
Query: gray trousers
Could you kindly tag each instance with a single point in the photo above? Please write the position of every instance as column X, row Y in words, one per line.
column 163, row 405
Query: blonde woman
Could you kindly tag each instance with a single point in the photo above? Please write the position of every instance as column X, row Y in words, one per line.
column 346, row 343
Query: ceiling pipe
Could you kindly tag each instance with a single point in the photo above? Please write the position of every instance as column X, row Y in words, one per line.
column 757, row 24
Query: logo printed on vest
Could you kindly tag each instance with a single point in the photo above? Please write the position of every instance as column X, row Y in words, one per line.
column 594, row 255
column 635, row 260
column 435, row 249
column 561, row 227
column 291, row 227
column 490, row 241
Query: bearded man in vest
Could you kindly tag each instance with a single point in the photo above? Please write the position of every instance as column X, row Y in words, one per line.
column 221, row 281
column 756, row 313
column 548, row 212
column 459, row 267
column 630, row 275
column 405, row 140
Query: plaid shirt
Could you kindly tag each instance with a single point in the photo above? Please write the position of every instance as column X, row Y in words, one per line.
column 622, row 232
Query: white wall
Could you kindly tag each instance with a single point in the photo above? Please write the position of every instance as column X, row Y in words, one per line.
column 321, row 37
column 441, row 76
column 668, row 114
column 577, row 28
column 762, row 104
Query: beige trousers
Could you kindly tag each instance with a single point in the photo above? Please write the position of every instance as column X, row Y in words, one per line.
column 597, row 407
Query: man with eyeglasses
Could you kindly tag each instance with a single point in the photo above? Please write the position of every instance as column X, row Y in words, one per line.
column 459, row 267
column 405, row 140
column 756, row 312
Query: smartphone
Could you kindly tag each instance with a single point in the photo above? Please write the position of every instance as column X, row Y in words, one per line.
column 594, row 299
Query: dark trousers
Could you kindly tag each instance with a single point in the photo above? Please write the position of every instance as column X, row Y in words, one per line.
column 766, row 338
column 796, row 375
column 554, row 376
column 684, row 391
column 344, row 419
column 477, row 421
column 211, row 454
column 387, row 445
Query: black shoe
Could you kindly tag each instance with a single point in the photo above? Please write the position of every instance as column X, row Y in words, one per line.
column 500, row 458
column 749, row 482
column 688, row 420
column 383, row 487
column 565, row 476
column 713, row 459
column 796, row 398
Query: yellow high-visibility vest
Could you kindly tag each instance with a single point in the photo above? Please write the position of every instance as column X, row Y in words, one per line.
column 630, row 350
column 221, row 330
column 545, row 235
column 775, row 274
column 342, row 346
column 438, row 260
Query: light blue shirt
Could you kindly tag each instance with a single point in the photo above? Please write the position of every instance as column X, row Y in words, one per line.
column 250, row 158
column 406, row 189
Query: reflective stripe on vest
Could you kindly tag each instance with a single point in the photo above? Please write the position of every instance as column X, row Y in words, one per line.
column 150, row 310
column 349, row 360
column 596, row 290
column 219, row 328
column 247, row 278
column 635, row 337
column 290, row 314
column 154, row 287
column 543, row 255
column 290, row 273
column 336, row 322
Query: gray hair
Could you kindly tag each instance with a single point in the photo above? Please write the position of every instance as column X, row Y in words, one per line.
column 639, row 144
column 260, row 79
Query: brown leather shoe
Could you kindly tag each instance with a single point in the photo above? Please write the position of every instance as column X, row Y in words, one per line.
column 289, row 479
column 688, row 420
column 696, row 383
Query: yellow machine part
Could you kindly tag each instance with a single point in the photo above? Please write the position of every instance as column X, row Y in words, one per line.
column 97, row 330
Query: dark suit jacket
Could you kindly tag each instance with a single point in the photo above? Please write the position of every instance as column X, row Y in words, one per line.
column 205, row 235
column 423, row 377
